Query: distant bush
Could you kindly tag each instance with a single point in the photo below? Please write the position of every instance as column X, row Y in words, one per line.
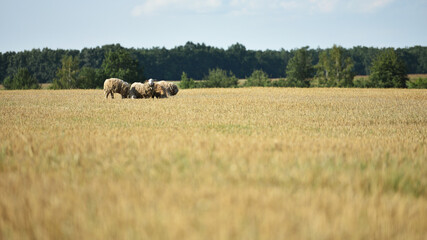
column 363, row 82
column 316, row 82
column 258, row 79
column 417, row 83
column 282, row 82
column 219, row 78
column 285, row 82
column 186, row 82
column 21, row 80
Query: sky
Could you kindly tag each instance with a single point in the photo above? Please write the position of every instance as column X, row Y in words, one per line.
column 257, row 24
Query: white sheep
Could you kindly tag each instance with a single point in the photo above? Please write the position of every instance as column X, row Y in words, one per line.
column 171, row 88
column 142, row 90
column 159, row 91
column 115, row 85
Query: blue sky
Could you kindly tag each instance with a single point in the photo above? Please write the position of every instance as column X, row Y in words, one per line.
column 257, row 24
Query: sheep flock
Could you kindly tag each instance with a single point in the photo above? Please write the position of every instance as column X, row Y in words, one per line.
column 148, row 89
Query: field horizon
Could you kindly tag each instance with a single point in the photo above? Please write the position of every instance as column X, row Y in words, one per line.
column 243, row 163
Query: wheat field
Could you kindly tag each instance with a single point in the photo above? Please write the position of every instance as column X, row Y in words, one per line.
column 247, row 163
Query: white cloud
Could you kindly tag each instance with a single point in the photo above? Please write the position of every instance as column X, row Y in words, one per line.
column 290, row 5
column 330, row 6
column 152, row 7
column 268, row 6
column 256, row 7
column 369, row 5
column 244, row 7
column 323, row 5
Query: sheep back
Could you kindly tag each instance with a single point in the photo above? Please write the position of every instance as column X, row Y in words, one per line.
column 140, row 90
column 171, row 88
column 159, row 91
column 115, row 85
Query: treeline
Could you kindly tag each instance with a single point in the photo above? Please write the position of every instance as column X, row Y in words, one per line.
column 194, row 59
column 335, row 68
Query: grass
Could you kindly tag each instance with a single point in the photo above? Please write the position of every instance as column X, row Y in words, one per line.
column 248, row 163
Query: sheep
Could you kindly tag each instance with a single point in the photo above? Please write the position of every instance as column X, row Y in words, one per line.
column 171, row 88
column 115, row 85
column 141, row 90
column 149, row 89
column 159, row 91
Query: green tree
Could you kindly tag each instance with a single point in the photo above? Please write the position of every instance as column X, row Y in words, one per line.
column 300, row 69
column 219, row 78
column 3, row 66
column 196, row 60
column 21, row 80
column 258, row 78
column 237, row 59
column 186, row 82
column 120, row 64
column 417, row 83
column 334, row 69
column 388, row 71
column 281, row 82
column 67, row 76
column 90, row 78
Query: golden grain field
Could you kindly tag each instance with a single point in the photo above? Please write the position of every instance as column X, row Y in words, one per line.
column 247, row 163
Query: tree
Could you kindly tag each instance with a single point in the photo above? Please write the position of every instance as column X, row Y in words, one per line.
column 258, row 78
column 3, row 67
column 220, row 78
column 417, row 83
column 120, row 64
column 236, row 58
column 271, row 62
column 388, row 70
column 67, row 75
column 186, row 82
column 300, row 69
column 362, row 57
column 21, row 80
column 196, row 60
column 92, row 57
column 334, row 69
column 90, row 78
